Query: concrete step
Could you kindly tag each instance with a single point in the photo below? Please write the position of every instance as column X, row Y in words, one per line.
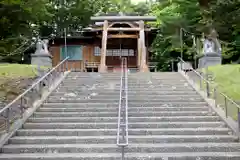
column 149, row 92
column 115, row 114
column 175, row 124
column 155, row 87
column 129, row 156
column 67, row 132
column 97, row 77
column 146, row 79
column 113, row 125
column 131, row 104
column 131, row 119
column 168, row 120
column 109, row 86
column 101, row 79
column 117, row 90
column 135, row 96
column 65, row 100
column 69, row 125
column 184, row 156
column 113, row 148
column 62, row 148
column 163, row 89
column 130, row 76
column 79, row 89
column 157, row 83
column 133, row 79
column 113, row 132
column 93, row 75
column 137, row 75
column 63, row 140
column 131, row 84
column 133, row 88
column 112, row 109
column 75, row 114
column 132, row 139
column 91, row 100
column 117, row 81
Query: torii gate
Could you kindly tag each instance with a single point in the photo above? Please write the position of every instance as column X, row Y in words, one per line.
column 141, row 38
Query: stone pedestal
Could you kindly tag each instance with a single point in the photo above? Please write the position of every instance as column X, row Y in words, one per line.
column 210, row 59
column 42, row 60
column 187, row 66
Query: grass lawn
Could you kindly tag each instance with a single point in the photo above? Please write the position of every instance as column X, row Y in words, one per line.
column 14, row 78
column 227, row 80
column 16, row 70
column 227, row 77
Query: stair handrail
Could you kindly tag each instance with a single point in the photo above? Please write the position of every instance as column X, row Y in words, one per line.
column 212, row 92
column 122, row 132
column 45, row 81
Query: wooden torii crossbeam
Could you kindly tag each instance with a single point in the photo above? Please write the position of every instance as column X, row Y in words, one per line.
column 123, row 18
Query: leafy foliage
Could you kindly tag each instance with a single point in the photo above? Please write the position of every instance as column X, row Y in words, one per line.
column 16, row 22
column 195, row 17
column 24, row 19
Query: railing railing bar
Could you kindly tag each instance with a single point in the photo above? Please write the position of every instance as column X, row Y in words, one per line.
column 15, row 109
column 34, row 85
column 126, row 101
column 226, row 106
column 119, row 107
column 214, row 91
column 122, row 133
column 214, row 87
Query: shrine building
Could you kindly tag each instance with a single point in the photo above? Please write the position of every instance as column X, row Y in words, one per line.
column 99, row 47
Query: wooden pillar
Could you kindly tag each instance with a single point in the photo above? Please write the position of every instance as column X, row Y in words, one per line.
column 139, row 53
column 102, row 66
column 143, row 67
column 147, row 52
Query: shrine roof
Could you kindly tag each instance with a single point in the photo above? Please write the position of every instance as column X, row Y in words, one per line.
column 114, row 17
column 123, row 18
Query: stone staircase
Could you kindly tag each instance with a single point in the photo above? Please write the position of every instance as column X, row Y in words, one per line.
column 168, row 120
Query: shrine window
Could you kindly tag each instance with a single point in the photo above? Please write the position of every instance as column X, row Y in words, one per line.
column 120, row 52
column 97, row 51
column 74, row 52
column 109, row 52
column 131, row 52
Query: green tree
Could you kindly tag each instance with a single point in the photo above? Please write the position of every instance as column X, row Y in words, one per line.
column 195, row 17
column 142, row 8
column 24, row 19
column 19, row 20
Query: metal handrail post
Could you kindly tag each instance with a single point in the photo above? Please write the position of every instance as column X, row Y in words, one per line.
column 208, row 89
column 23, row 101
column 122, row 133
